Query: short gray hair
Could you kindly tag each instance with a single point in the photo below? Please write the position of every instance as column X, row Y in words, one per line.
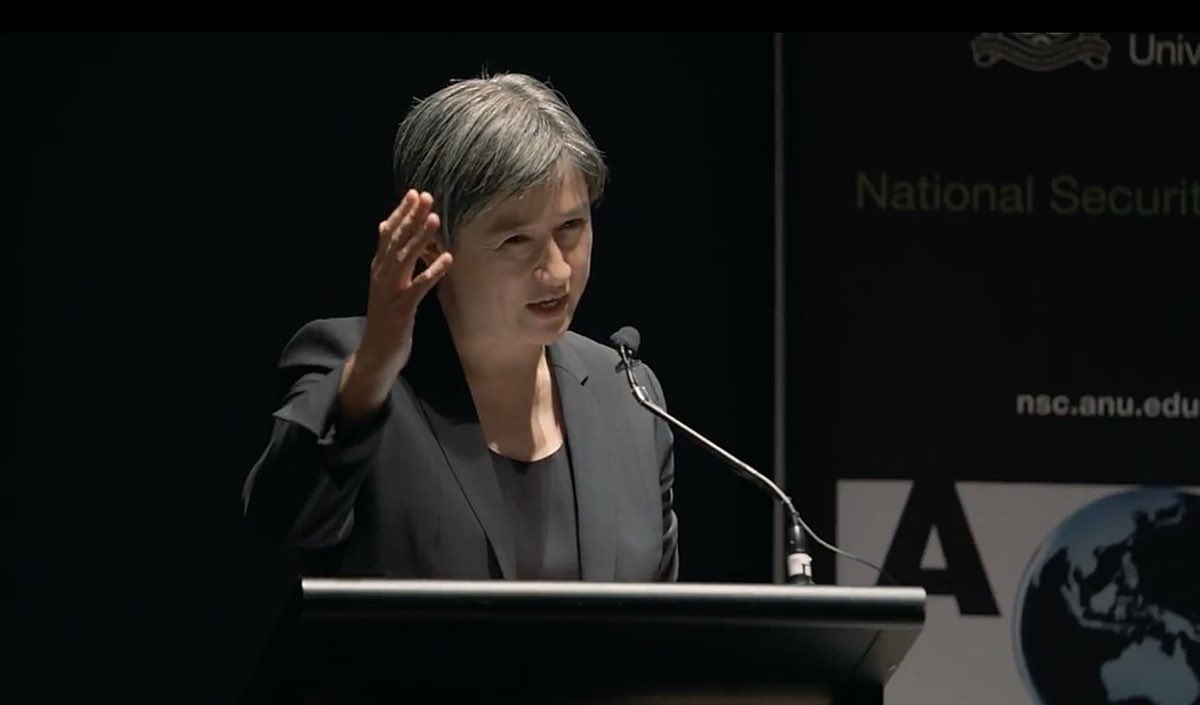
column 481, row 140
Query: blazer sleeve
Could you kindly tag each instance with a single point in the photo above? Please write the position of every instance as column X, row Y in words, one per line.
column 303, row 487
column 664, row 442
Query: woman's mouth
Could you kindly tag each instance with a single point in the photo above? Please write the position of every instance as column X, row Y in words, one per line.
column 548, row 307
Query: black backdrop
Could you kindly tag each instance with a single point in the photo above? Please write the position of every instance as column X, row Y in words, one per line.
column 953, row 360
column 177, row 205
column 917, row 328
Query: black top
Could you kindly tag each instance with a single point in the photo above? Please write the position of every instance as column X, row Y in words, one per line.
column 413, row 492
column 540, row 498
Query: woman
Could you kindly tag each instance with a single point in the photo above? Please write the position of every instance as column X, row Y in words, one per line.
column 471, row 434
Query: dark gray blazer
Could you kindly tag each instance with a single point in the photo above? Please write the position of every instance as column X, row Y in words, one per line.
column 412, row 492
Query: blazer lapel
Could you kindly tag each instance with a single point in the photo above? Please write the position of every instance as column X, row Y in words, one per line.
column 435, row 373
column 467, row 455
column 591, row 465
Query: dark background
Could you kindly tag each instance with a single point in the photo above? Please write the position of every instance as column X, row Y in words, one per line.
column 913, row 333
column 177, row 205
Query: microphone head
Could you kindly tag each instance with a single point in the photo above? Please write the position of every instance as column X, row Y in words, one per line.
column 627, row 337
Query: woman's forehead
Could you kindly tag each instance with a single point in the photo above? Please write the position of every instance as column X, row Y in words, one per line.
column 561, row 196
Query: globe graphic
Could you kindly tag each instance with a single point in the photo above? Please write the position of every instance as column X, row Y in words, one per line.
column 1108, row 610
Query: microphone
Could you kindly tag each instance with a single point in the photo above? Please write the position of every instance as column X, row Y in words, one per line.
column 627, row 340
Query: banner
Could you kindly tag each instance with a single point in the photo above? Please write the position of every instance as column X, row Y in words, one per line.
column 1050, row 593
column 993, row 249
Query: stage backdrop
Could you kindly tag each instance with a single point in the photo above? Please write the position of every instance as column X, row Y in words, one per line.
column 993, row 383
column 176, row 206
column 991, row 246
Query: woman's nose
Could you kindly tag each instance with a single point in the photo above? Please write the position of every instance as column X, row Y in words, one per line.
column 554, row 266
